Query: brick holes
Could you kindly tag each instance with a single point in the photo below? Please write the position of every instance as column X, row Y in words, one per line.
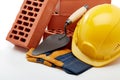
column 25, row 24
column 41, row 0
column 32, row 19
column 14, row 32
column 28, row 2
column 16, row 37
column 26, row 35
column 35, row 4
column 27, row 30
column 10, row 36
column 15, row 26
column 31, row 25
column 22, row 39
column 69, row 32
column 20, row 16
column 20, row 28
column 25, row 18
column 30, row 14
column 25, row 7
column 40, row 5
column 19, row 22
column 30, row 8
column 36, row 9
column 56, row 31
column 21, row 33
column 24, row 12
column 51, row 30
column 35, row 15
column 59, row 31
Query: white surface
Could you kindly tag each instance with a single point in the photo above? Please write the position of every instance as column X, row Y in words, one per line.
column 14, row 66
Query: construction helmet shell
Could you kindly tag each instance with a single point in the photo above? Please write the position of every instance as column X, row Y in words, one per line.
column 96, row 39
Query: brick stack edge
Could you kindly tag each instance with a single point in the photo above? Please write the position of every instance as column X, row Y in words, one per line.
column 66, row 8
column 31, row 22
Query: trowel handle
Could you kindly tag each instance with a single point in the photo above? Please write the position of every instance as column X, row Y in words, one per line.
column 74, row 17
column 77, row 14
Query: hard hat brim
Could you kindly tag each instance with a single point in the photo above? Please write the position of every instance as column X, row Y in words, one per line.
column 81, row 56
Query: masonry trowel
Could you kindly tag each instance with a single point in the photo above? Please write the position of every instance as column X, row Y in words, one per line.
column 57, row 41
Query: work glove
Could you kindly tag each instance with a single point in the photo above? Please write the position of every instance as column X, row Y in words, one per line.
column 63, row 59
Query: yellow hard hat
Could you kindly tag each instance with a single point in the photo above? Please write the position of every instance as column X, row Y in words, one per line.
column 96, row 39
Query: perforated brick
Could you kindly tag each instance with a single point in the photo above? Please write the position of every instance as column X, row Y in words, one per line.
column 58, row 27
column 59, row 31
column 66, row 8
column 57, row 22
column 31, row 22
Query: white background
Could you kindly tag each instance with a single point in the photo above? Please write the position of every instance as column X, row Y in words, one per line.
column 13, row 63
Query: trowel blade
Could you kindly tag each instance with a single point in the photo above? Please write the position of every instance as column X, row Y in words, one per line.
column 52, row 42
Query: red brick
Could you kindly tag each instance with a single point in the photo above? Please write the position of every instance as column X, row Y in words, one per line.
column 31, row 22
column 59, row 31
column 67, row 7
column 56, row 26
column 64, row 10
column 57, row 22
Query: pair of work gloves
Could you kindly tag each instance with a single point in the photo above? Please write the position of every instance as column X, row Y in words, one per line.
column 62, row 58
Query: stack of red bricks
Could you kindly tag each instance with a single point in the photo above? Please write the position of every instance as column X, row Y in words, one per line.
column 35, row 15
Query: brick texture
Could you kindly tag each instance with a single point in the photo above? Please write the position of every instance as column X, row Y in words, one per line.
column 30, row 23
column 65, row 9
